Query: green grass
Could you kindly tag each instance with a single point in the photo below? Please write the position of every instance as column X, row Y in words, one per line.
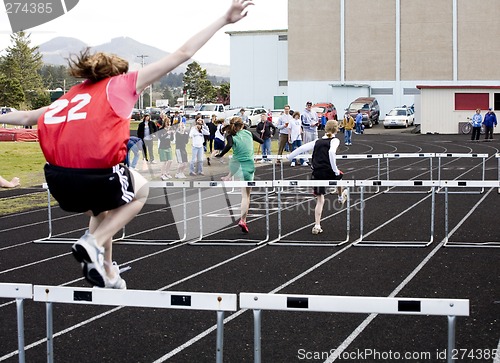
column 24, row 160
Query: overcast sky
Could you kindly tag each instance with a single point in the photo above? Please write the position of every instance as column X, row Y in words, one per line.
column 164, row 24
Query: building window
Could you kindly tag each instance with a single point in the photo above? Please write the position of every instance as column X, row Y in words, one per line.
column 471, row 101
column 283, row 83
column 381, row 91
column 282, row 38
column 496, row 101
column 411, row 91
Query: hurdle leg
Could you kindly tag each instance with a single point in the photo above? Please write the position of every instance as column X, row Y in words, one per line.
column 452, row 320
column 50, row 333
column 20, row 329
column 361, row 209
column 220, row 336
column 257, row 335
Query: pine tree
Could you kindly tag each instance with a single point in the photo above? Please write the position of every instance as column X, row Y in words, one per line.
column 22, row 63
column 196, row 83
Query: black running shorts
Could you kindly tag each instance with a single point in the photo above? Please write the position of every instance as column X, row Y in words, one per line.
column 323, row 175
column 97, row 190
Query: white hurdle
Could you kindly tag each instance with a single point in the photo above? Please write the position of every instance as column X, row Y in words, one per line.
column 348, row 184
column 468, row 156
column 446, row 184
column 353, row 304
column 135, row 298
column 123, row 238
column 393, row 183
column 497, row 156
column 226, row 185
column 429, row 156
column 20, row 292
column 165, row 185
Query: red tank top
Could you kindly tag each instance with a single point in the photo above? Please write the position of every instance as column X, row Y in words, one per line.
column 81, row 130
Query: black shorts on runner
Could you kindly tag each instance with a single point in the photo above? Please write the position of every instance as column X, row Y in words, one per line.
column 324, row 175
column 97, row 190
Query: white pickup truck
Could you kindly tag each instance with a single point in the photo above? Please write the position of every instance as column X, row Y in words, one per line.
column 208, row 109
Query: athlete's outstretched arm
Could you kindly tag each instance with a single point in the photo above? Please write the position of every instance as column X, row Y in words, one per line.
column 158, row 69
column 22, row 118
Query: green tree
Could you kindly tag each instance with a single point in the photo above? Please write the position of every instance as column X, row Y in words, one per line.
column 23, row 63
column 224, row 93
column 197, row 85
column 11, row 92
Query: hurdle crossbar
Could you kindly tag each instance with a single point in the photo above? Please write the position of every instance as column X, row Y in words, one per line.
column 446, row 184
column 166, row 185
column 389, row 156
column 123, row 239
column 497, row 156
column 463, row 155
column 226, row 185
column 353, row 304
column 19, row 292
column 281, row 184
column 432, row 184
column 135, row 298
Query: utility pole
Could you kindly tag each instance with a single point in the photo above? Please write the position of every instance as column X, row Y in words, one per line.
column 141, row 98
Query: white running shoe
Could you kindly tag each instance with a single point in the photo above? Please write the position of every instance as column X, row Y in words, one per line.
column 91, row 256
column 305, row 163
column 292, row 163
column 117, row 282
column 343, row 197
column 317, row 230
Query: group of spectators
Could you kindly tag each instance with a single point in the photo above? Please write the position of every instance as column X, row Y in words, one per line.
column 489, row 122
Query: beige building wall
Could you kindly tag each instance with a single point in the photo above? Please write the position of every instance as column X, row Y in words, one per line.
column 427, row 40
column 370, row 38
column 478, row 40
column 313, row 40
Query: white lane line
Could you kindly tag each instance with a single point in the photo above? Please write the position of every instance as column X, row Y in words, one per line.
column 345, row 344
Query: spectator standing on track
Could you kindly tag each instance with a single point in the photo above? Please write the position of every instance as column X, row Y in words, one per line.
column 243, row 117
column 282, row 126
column 197, row 135
column 219, row 139
column 181, row 140
column 241, row 164
column 83, row 169
column 489, row 122
column 348, row 125
column 359, row 123
column 309, row 120
column 324, row 168
column 165, row 136
column 145, row 132
column 212, row 127
column 15, row 182
column 295, row 135
column 133, row 145
column 477, row 121
column 265, row 130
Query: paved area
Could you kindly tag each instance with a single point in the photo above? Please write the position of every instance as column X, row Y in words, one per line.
column 114, row 334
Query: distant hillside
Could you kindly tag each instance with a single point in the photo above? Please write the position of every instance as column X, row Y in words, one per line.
column 57, row 50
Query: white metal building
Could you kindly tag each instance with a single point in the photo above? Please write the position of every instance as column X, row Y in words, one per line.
column 337, row 50
column 442, row 109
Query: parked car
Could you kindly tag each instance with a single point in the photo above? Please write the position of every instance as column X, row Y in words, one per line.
column 5, row 110
column 276, row 115
column 154, row 113
column 254, row 115
column 327, row 109
column 369, row 109
column 137, row 114
column 399, row 116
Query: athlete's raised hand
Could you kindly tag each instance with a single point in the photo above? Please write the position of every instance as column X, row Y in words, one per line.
column 237, row 11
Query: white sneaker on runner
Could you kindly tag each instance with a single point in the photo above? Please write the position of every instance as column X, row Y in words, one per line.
column 117, row 282
column 91, row 256
column 317, row 230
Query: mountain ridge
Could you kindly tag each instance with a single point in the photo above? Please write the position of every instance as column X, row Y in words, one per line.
column 57, row 50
